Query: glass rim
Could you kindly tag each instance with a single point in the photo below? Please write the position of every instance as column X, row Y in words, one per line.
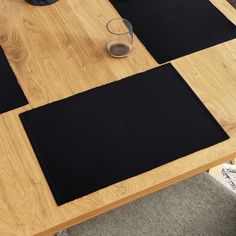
column 119, row 18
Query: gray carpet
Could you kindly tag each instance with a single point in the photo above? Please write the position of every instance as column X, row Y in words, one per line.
column 232, row 2
column 195, row 207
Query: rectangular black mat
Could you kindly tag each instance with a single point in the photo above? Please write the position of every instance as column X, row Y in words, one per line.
column 174, row 28
column 11, row 94
column 108, row 134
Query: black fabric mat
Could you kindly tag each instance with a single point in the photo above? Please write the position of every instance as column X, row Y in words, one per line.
column 11, row 95
column 171, row 29
column 108, row 134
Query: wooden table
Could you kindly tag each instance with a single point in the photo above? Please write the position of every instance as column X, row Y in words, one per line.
column 58, row 51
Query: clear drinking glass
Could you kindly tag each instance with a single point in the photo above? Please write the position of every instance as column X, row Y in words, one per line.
column 120, row 37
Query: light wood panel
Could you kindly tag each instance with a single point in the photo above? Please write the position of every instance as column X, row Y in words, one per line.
column 226, row 8
column 58, row 51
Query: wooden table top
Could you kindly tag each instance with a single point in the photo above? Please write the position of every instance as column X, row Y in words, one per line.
column 59, row 50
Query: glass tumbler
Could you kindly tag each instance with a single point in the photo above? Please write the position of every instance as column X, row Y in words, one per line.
column 120, row 37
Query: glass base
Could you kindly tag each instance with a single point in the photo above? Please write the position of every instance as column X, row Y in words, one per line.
column 119, row 50
column 41, row 2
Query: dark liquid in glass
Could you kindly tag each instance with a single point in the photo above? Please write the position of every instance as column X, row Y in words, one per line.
column 118, row 49
column 41, row 2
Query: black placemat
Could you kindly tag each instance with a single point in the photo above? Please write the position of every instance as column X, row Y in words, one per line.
column 108, row 134
column 11, row 95
column 173, row 28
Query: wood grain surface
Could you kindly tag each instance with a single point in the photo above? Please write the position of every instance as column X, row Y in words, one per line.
column 226, row 7
column 59, row 50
